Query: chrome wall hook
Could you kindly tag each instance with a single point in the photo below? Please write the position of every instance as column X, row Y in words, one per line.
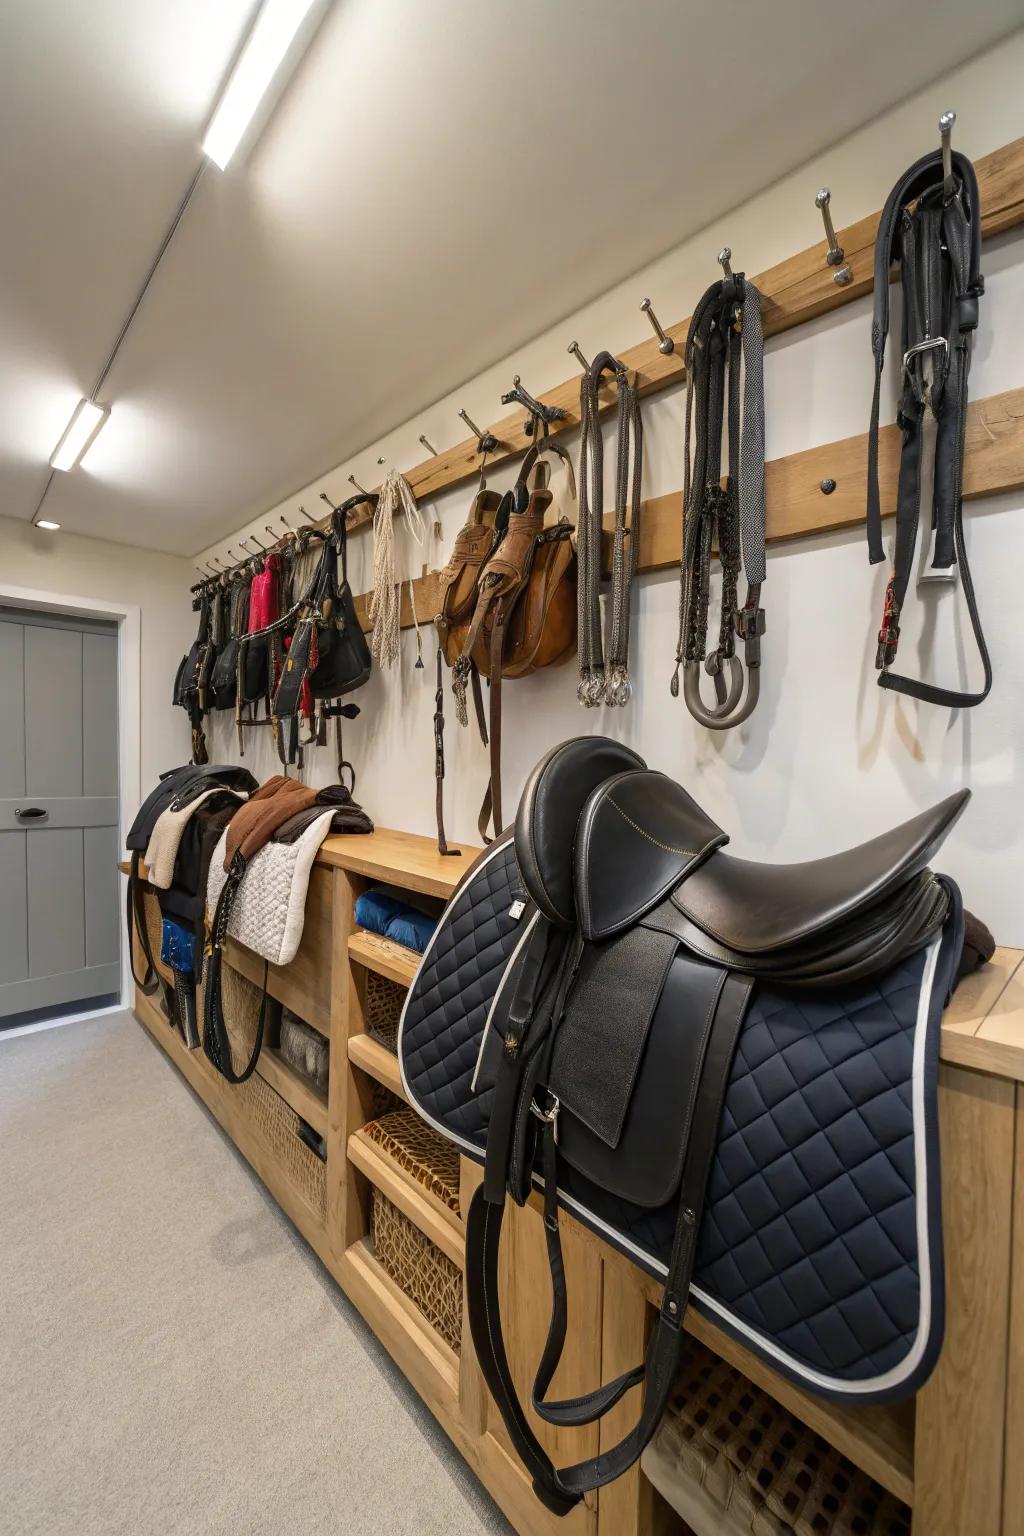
column 724, row 259
column 486, row 442
column 573, row 350
column 544, row 414
column 428, row 446
column 361, row 489
column 946, row 122
column 287, row 524
column 665, row 343
column 835, row 254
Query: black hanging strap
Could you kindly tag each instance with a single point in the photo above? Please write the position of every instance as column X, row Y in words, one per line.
column 936, row 241
column 562, row 1488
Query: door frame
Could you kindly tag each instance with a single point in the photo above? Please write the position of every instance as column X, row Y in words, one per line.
column 128, row 617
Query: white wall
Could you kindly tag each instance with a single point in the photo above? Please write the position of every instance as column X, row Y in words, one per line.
column 827, row 758
column 92, row 569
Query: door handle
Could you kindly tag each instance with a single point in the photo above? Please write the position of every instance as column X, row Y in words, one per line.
column 31, row 813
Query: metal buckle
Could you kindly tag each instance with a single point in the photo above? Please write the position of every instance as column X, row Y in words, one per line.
column 930, row 344
column 549, row 1115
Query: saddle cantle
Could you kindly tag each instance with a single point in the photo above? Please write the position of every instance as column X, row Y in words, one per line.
column 726, row 1069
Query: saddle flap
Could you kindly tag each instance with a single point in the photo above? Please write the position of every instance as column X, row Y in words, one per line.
column 597, row 1050
column 645, row 1164
column 640, row 835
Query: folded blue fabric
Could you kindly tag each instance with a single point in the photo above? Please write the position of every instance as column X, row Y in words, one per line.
column 375, row 909
column 386, row 915
column 178, row 947
column 413, row 929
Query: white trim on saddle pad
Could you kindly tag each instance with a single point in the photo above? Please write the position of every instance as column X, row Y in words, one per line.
column 269, row 911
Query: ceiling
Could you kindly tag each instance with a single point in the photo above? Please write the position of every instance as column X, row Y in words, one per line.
column 388, row 236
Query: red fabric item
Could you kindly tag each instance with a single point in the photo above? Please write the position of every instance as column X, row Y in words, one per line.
column 265, row 595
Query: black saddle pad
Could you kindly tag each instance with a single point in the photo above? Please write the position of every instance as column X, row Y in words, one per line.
column 820, row 1246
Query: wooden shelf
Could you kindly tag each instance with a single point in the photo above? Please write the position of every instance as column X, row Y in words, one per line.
column 423, row 1356
column 372, row 1057
column 398, row 858
column 384, row 956
column 878, row 1438
column 307, row 1100
column 434, row 1219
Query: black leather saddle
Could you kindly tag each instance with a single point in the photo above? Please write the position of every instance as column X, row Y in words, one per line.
column 603, row 842
column 609, row 1069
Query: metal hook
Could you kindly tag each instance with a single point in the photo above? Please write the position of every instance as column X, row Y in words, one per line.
column 573, row 350
column 273, row 535
column 486, row 442
column 382, row 459
column 428, row 446
column 545, row 414
column 724, row 258
column 834, row 255
column 361, row 489
column 665, row 343
column 946, row 122
column 287, row 524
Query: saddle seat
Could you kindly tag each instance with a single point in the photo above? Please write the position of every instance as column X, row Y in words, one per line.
column 604, row 843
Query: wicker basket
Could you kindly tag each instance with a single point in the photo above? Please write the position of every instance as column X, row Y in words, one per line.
column 426, row 1275
column 728, row 1448
column 155, row 934
column 432, row 1161
column 382, row 1009
column 276, row 1124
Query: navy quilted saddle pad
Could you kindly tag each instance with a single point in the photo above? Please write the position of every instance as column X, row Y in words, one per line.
column 820, row 1243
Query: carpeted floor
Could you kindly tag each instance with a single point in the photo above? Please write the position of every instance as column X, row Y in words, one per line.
column 173, row 1358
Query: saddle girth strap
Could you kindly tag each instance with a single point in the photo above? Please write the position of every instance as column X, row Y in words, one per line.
column 562, row 1488
column 936, row 240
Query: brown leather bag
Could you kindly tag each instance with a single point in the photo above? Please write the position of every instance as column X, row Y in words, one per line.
column 524, row 616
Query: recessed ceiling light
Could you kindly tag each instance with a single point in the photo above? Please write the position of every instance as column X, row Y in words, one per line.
column 268, row 42
column 79, row 434
column 51, row 527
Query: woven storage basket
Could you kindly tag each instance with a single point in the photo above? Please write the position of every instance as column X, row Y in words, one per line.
column 432, row 1160
column 426, row 1275
column 382, row 1009
column 273, row 1121
column 764, row 1470
column 277, row 1126
column 155, row 934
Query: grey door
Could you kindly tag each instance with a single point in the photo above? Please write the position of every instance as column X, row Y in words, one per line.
column 60, row 929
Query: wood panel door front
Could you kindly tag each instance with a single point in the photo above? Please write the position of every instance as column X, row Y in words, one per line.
column 60, row 935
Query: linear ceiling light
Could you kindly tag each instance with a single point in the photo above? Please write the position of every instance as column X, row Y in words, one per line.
column 79, row 434
column 48, row 524
column 268, row 42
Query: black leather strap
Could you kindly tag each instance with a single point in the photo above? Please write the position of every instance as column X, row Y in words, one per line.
column 561, row 1488
column 136, row 915
column 938, row 248
column 216, row 1041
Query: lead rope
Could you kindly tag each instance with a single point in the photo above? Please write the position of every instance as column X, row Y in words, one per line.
column 386, row 602
column 604, row 660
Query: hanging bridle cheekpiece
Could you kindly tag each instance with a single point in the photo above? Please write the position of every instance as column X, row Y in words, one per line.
column 604, row 654
column 725, row 376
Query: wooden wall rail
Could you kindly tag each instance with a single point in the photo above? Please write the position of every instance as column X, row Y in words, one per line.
column 993, row 462
column 794, row 291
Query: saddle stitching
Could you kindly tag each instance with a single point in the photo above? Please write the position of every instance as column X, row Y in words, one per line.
column 689, row 853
